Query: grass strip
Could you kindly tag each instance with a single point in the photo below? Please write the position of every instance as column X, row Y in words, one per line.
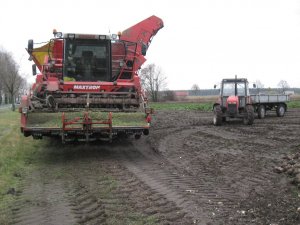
column 181, row 106
column 200, row 106
column 16, row 154
column 293, row 104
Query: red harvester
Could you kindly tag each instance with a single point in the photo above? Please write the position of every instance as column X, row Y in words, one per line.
column 88, row 87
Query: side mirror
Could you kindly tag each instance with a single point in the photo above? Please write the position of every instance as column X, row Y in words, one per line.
column 30, row 46
column 144, row 49
column 254, row 85
column 33, row 69
column 215, row 86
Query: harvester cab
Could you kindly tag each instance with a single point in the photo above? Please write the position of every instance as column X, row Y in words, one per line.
column 88, row 87
column 87, row 58
column 234, row 102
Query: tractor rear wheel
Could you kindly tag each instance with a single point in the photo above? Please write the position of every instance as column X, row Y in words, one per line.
column 261, row 112
column 249, row 115
column 217, row 116
column 280, row 110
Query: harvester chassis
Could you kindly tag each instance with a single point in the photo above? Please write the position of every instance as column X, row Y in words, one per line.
column 89, row 87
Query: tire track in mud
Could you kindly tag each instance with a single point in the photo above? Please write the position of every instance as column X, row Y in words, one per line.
column 132, row 194
column 42, row 202
column 234, row 161
column 250, row 167
column 214, row 198
column 164, row 178
column 93, row 187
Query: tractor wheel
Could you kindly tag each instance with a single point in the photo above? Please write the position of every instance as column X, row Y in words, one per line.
column 280, row 110
column 217, row 116
column 261, row 112
column 249, row 115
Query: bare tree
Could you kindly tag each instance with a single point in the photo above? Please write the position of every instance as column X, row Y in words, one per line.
column 23, row 89
column 259, row 85
column 153, row 81
column 1, row 92
column 283, row 84
column 195, row 89
column 9, row 76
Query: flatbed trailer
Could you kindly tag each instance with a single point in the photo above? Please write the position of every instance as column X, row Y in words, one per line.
column 263, row 103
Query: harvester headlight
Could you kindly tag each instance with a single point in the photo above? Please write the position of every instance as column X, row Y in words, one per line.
column 102, row 37
column 57, row 34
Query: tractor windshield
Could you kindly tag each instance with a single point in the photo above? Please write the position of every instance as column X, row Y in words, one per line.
column 229, row 89
column 87, row 60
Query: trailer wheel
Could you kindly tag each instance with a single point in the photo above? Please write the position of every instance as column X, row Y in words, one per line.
column 217, row 120
column 261, row 112
column 280, row 110
column 249, row 115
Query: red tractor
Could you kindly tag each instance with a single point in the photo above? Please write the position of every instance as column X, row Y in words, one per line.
column 88, row 87
column 234, row 102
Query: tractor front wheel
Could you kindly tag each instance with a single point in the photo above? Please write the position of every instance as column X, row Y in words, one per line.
column 217, row 120
column 249, row 115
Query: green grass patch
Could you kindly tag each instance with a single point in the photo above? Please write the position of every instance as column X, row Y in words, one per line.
column 15, row 156
column 200, row 106
column 181, row 106
column 293, row 104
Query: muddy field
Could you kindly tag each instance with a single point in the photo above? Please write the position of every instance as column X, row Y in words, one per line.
column 185, row 172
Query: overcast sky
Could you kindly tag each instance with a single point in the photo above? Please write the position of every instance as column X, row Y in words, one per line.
column 201, row 43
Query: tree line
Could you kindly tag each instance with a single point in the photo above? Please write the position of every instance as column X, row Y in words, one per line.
column 12, row 84
column 154, row 83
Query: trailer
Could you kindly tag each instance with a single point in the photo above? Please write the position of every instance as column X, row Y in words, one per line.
column 264, row 102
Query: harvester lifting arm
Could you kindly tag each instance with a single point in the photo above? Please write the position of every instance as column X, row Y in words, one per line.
column 142, row 34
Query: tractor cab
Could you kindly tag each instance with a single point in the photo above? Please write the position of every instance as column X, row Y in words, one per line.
column 234, row 93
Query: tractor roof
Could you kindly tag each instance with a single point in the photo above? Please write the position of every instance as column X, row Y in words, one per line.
column 230, row 80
